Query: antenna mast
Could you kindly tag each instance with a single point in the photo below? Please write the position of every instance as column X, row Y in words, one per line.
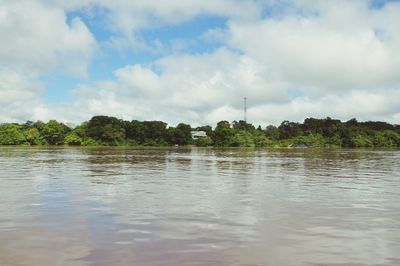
column 245, row 109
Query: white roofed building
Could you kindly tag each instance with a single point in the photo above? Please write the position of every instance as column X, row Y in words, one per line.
column 198, row 134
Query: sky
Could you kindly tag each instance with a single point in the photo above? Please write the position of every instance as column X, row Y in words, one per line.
column 193, row 61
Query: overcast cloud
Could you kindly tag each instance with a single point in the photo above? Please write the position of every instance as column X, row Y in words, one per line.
column 292, row 59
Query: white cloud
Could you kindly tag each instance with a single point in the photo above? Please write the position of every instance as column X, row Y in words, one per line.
column 207, row 88
column 338, row 49
column 36, row 39
column 381, row 105
column 304, row 58
column 126, row 18
column 19, row 96
column 188, row 88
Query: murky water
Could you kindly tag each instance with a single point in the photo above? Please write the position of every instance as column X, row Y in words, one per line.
column 199, row 207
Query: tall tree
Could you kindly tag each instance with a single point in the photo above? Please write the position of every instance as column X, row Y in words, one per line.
column 181, row 134
column 11, row 134
column 105, row 128
column 223, row 134
column 53, row 132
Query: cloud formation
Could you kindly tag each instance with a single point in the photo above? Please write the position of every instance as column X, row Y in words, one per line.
column 190, row 88
column 37, row 39
column 341, row 46
column 19, row 96
column 292, row 59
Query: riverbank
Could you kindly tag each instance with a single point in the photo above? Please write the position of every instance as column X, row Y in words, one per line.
column 110, row 131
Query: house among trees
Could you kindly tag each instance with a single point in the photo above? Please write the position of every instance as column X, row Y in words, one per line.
column 198, row 134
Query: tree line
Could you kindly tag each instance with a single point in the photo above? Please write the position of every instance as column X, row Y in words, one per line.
column 111, row 131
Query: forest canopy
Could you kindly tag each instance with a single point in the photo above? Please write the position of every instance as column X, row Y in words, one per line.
column 111, row 131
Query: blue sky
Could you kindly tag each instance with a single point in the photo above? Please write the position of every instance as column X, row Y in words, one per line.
column 109, row 58
column 191, row 61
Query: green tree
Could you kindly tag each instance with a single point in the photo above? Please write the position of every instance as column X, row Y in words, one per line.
column 11, row 134
column 312, row 126
column 310, row 140
column 272, row 132
column 330, row 127
column 203, row 142
column 53, row 132
column 242, row 126
column 377, row 125
column 73, row 139
column 386, row 138
column 183, row 135
column 393, row 137
column 352, row 122
column 362, row 140
column 223, row 134
column 33, row 137
column 107, row 129
column 260, row 140
column 180, row 135
column 156, row 132
column 135, row 130
column 242, row 138
column 334, row 141
column 289, row 130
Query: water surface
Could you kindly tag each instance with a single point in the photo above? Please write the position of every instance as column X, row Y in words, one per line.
column 150, row 207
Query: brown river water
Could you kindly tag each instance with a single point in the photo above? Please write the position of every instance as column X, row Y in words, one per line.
column 192, row 207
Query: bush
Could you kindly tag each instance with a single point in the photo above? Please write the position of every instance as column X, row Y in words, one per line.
column 260, row 140
column 363, row 141
column 72, row 139
column 53, row 132
column 11, row 134
column 311, row 140
column 242, row 139
column 33, row 137
column 203, row 141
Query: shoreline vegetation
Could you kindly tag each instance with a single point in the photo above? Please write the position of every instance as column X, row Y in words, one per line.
column 111, row 131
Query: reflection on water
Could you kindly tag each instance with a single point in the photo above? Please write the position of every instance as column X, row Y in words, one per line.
column 199, row 207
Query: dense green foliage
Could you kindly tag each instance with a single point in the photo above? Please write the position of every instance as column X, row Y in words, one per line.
column 11, row 134
column 111, row 131
column 53, row 132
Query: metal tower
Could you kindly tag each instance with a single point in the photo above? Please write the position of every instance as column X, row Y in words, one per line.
column 245, row 109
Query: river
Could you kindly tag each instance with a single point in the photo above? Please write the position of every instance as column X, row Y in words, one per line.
column 195, row 206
